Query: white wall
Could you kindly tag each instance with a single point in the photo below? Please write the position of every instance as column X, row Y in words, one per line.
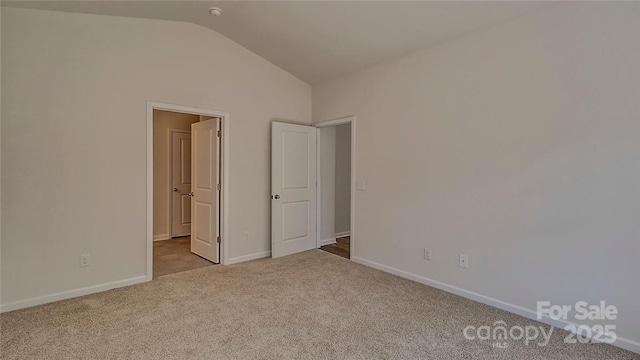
column 343, row 179
column 75, row 89
column 162, row 122
column 517, row 145
column 327, row 184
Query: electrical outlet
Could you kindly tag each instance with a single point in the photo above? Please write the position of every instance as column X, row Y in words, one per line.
column 85, row 260
column 246, row 236
column 427, row 254
column 464, row 261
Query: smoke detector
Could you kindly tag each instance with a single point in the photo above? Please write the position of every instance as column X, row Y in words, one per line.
column 215, row 11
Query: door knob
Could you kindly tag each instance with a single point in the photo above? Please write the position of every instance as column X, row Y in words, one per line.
column 277, row 197
column 190, row 193
column 175, row 189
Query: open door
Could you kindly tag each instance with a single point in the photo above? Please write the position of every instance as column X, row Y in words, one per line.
column 205, row 189
column 293, row 185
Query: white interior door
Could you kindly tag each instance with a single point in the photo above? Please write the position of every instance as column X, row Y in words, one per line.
column 180, row 183
column 293, row 182
column 205, row 189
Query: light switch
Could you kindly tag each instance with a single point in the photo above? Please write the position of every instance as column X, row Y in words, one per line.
column 360, row 185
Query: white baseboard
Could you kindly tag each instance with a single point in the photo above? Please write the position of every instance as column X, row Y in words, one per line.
column 327, row 241
column 70, row 294
column 239, row 259
column 161, row 237
column 343, row 234
column 518, row 310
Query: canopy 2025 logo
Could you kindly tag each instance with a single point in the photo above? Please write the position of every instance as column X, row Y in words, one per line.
column 581, row 311
column 597, row 316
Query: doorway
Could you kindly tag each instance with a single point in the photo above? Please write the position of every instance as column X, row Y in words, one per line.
column 187, row 159
column 304, row 187
column 334, row 189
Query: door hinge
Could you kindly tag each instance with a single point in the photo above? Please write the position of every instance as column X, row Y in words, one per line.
column 219, row 240
column 219, row 133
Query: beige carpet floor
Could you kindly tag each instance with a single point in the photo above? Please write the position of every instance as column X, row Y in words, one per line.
column 287, row 308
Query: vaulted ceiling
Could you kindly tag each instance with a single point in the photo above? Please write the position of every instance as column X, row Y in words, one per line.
column 317, row 40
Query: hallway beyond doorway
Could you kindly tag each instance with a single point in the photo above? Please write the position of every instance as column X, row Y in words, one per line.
column 174, row 255
column 342, row 247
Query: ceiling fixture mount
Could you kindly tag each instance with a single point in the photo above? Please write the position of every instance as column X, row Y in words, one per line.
column 215, row 11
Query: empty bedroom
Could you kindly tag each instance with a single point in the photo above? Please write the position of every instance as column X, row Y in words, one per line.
column 319, row 179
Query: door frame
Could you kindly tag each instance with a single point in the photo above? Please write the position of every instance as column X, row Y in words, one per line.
column 224, row 223
column 170, row 174
column 340, row 121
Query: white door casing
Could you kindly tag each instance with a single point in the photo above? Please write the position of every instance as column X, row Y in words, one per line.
column 180, row 183
column 205, row 178
column 293, row 185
